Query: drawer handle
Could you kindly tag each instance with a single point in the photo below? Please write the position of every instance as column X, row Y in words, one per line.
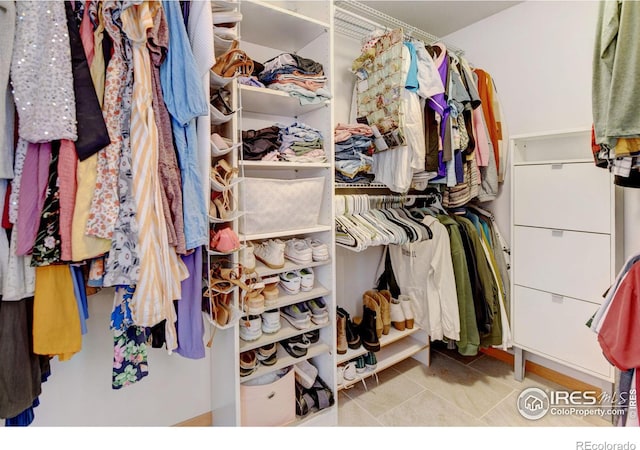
column 556, row 166
column 555, row 298
column 271, row 395
column 557, row 233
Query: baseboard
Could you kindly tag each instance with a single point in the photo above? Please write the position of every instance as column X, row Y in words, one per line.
column 542, row 371
column 203, row 420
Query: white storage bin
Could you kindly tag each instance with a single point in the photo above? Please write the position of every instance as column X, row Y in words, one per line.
column 279, row 205
column 269, row 405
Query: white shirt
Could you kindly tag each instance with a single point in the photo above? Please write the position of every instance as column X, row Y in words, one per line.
column 424, row 271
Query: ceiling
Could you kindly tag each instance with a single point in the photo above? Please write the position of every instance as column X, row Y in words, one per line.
column 439, row 18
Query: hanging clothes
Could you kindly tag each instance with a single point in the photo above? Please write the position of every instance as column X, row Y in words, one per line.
column 41, row 73
column 123, row 262
column 182, row 90
column 424, row 271
column 161, row 271
column 7, row 107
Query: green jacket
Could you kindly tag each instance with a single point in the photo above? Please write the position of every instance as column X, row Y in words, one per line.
column 469, row 336
column 489, row 287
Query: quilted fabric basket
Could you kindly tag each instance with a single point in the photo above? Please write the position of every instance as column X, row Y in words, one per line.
column 279, row 205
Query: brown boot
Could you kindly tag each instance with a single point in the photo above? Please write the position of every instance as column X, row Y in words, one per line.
column 342, row 333
column 371, row 300
column 385, row 310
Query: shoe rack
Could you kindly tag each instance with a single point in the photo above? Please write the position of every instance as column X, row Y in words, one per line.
column 266, row 30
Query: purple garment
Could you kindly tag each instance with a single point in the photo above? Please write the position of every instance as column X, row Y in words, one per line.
column 439, row 104
column 459, row 167
column 190, row 325
column 33, row 189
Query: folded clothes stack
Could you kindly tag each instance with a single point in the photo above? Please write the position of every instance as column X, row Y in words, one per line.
column 301, row 143
column 297, row 142
column 353, row 146
column 300, row 77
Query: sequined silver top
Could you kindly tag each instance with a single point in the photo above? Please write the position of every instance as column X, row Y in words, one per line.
column 41, row 73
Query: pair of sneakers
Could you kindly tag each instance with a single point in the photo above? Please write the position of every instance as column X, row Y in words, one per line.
column 302, row 315
column 304, row 251
column 295, row 281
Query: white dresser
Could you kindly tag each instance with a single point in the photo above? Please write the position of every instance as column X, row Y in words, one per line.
column 567, row 247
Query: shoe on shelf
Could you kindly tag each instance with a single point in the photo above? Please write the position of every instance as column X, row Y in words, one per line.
column 370, row 361
column 271, row 292
column 224, row 240
column 371, row 300
column 322, row 394
column 250, row 328
column 319, row 250
column 385, row 299
column 313, row 336
column 271, row 253
column 319, row 311
column 307, row 277
column 221, row 206
column 290, row 282
column 297, row 315
column 367, row 330
column 252, row 298
column 353, row 337
column 341, row 325
column 247, row 258
column 305, row 373
column 248, row 363
column 271, row 321
column 407, row 309
column 296, row 346
column 346, row 373
column 220, row 146
column 397, row 315
column 267, row 354
column 221, row 175
column 360, row 364
column 299, row 251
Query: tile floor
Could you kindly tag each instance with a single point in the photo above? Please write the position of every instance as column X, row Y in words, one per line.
column 454, row 391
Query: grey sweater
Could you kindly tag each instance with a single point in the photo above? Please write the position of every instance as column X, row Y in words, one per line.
column 7, row 28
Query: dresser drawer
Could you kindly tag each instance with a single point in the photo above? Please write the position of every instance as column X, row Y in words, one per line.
column 564, row 262
column 572, row 196
column 554, row 326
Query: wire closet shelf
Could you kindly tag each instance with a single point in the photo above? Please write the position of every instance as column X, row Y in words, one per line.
column 357, row 20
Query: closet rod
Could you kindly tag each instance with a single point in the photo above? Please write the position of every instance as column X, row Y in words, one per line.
column 357, row 20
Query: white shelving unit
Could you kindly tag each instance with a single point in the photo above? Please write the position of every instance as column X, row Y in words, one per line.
column 562, row 206
column 267, row 30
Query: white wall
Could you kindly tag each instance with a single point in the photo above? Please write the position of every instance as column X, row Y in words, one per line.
column 79, row 392
column 540, row 55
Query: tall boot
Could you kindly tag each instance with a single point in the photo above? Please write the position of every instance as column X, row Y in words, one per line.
column 341, row 333
column 353, row 338
column 371, row 300
column 367, row 329
column 385, row 310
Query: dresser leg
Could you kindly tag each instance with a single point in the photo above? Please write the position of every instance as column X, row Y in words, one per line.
column 518, row 362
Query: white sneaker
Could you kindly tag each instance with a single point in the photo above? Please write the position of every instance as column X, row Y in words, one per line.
column 250, row 328
column 319, row 250
column 290, row 282
column 298, row 251
column 306, row 279
column 271, row 253
column 271, row 321
column 247, row 258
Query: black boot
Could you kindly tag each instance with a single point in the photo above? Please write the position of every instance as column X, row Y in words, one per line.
column 367, row 330
column 353, row 338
